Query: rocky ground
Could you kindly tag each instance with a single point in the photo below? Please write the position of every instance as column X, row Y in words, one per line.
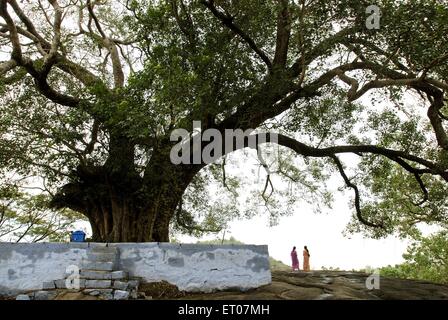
column 334, row 285
column 286, row 285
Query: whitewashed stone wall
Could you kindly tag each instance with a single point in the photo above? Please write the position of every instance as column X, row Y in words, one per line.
column 193, row 268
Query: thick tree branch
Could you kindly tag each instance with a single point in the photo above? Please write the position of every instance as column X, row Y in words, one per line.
column 94, row 138
column 283, row 34
column 16, row 54
column 50, row 58
column 40, row 76
column 308, row 151
column 29, row 25
column 185, row 25
column 111, row 46
column 95, row 19
column 434, row 116
column 320, row 49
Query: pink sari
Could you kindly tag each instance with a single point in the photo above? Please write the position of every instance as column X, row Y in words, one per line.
column 295, row 260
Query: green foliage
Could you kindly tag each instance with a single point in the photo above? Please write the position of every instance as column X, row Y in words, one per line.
column 277, row 265
column 394, row 197
column 231, row 240
column 425, row 259
column 26, row 218
column 326, row 119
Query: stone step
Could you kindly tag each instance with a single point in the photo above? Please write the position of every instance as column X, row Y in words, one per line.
column 98, row 266
column 126, row 285
column 96, row 275
column 45, row 295
column 119, row 275
column 106, row 293
column 103, row 275
column 121, row 285
column 62, row 284
column 98, row 284
column 49, row 285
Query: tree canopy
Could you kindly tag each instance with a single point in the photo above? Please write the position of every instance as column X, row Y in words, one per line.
column 426, row 259
column 92, row 89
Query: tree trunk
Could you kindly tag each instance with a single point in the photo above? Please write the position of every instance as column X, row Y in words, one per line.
column 123, row 220
column 121, row 205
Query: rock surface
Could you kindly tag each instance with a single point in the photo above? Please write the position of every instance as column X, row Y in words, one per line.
column 322, row 285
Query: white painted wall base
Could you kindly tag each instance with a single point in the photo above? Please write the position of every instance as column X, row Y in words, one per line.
column 191, row 267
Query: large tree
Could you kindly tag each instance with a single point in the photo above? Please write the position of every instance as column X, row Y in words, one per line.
column 91, row 91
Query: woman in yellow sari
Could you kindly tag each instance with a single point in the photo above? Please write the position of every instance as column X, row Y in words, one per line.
column 306, row 259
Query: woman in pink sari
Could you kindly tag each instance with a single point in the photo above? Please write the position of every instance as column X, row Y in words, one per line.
column 295, row 260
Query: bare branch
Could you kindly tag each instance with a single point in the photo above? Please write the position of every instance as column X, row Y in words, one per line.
column 50, row 59
column 14, row 37
column 29, row 25
column 357, row 196
column 95, row 19
column 111, row 46
column 6, row 66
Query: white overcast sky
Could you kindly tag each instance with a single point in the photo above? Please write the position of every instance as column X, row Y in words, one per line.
column 322, row 233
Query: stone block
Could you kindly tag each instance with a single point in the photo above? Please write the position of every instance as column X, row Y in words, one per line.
column 121, row 285
column 50, row 285
column 119, row 275
column 94, row 293
column 121, row 295
column 98, row 266
column 98, row 284
column 44, row 295
column 96, row 275
column 133, row 294
column 97, row 292
column 62, row 284
column 133, row 284
column 23, row 297
column 107, row 296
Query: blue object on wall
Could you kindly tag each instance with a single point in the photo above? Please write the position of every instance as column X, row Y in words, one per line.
column 78, row 236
